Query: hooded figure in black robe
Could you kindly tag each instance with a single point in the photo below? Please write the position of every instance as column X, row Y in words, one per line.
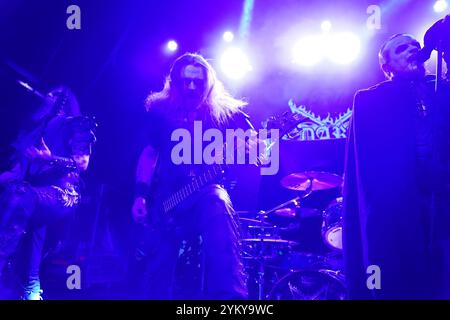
column 396, row 219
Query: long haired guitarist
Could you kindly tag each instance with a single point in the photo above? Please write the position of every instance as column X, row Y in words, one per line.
column 185, row 199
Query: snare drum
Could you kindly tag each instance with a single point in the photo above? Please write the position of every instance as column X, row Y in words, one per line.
column 332, row 224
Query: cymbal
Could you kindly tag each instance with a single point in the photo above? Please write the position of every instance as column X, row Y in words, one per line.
column 313, row 180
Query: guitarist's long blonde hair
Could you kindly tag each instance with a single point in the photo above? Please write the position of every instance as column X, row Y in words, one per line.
column 218, row 102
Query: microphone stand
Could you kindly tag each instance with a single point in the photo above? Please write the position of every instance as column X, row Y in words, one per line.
column 439, row 77
column 442, row 47
column 440, row 96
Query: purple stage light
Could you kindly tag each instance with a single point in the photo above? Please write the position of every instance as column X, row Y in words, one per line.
column 344, row 48
column 228, row 36
column 326, row 26
column 172, row 46
column 339, row 48
column 440, row 6
column 308, row 51
column 235, row 63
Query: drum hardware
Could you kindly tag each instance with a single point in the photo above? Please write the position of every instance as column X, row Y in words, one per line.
column 263, row 246
column 297, row 212
column 289, row 208
column 295, row 202
column 257, row 228
column 266, row 250
column 310, row 181
column 285, row 213
column 261, row 251
column 254, row 222
column 306, row 274
column 321, row 284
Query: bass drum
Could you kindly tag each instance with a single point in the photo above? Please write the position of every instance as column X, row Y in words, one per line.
column 319, row 284
column 332, row 225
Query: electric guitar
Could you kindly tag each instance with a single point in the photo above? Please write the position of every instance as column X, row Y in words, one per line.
column 285, row 123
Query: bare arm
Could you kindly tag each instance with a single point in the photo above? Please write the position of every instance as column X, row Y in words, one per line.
column 144, row 174
column 146, row 165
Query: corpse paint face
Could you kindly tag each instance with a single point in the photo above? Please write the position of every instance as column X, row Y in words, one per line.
column 193, row 85
column 402, row 58
column 81, row 161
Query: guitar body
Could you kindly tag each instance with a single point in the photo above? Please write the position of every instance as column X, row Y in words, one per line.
column 167, row 201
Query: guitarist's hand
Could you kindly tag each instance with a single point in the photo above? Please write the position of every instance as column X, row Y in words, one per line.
column 139, row 210
column 42, row 152
column 255, row 148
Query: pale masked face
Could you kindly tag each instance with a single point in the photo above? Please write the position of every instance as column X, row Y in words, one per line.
column 402, row 58
column 82, row 161
column 81, row 153
column 193, row 85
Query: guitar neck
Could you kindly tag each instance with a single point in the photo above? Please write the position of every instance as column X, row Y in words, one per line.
column 197, row 183
column 67, row 163
column 284, row 124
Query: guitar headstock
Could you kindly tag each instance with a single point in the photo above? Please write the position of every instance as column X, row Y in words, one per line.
column 285, row 122
column 58, row 99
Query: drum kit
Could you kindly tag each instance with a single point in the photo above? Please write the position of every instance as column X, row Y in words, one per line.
column 276, row 245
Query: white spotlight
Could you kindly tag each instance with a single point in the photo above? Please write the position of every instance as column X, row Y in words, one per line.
column 344, row 48
column 308, row 51
column 172, row 45
column 228, row 36
column 326, row 26
column 234, row 63
column 440, row 6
